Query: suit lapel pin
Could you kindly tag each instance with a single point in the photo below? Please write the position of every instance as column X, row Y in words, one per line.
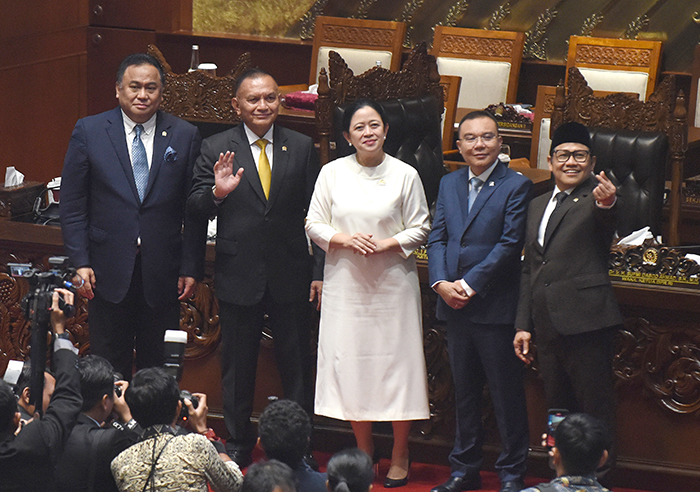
column 491, row 183
column 284, row 148
column 165, row 134
column 575, row 200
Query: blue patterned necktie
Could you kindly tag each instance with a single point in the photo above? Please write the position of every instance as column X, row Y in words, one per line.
column 139, row 162
column 474, row 190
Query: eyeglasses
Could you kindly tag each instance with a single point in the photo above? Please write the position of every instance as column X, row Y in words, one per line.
column 486, row 138
column 580, row 156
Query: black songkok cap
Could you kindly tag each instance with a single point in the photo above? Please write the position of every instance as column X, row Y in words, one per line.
column 570, row 132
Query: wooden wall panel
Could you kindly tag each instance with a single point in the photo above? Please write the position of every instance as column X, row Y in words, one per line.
column 40, row 103
column 287, row 60
column 28, row 18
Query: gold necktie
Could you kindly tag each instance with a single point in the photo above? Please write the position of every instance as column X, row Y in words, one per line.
column 264, row 170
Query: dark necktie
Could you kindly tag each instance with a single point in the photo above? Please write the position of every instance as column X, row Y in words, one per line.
column 139, row 162
column 560, row 197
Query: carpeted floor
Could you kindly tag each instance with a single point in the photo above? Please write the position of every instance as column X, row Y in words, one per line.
column 424, row 476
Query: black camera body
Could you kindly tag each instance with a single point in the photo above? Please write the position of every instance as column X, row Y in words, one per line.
column 184, row 394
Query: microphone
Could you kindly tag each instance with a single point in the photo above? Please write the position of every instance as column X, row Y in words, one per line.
column 175, row 341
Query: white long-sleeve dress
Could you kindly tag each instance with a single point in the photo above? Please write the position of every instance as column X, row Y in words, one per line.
column 371, row 365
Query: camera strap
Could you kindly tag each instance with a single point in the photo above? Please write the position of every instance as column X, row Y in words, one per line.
column 152, row 433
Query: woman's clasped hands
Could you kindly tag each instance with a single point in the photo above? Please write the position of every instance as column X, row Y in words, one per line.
column 364, row 244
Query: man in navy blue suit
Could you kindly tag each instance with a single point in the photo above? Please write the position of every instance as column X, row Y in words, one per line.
column 474, row 265
column 126, row 177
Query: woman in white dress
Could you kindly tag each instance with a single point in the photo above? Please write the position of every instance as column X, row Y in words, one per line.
column 368, row 212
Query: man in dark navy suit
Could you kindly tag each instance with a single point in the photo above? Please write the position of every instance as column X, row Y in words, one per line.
column 258, row 178
column 126, row 177
column 474, row 265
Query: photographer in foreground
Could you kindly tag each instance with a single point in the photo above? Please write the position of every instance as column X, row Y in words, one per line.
column 84, row 465
column 581, row 445
column 164, row 459
column 26, row 459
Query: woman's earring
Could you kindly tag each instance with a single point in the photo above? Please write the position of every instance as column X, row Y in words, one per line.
column 350, row 144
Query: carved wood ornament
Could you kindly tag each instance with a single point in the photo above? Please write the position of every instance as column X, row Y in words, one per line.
column 198, row 95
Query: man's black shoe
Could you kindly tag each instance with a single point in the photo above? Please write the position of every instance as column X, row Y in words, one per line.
column 242, row 457
column 515, row 486
column 457, row 484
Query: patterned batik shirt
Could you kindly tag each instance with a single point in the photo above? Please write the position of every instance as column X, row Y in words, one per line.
column 182, row 463
column 569, row 484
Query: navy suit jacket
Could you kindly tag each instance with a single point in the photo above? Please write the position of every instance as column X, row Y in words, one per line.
column 481, row 245
column 260, row 243
column 102, row 216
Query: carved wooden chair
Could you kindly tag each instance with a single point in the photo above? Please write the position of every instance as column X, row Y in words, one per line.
column 199, row 97
column 412, row 99
column 541, row 125
column 694, row 106
column 487, row 61
column 361, row 42
column 634, row 141
column 450, row 85
column 620, row 65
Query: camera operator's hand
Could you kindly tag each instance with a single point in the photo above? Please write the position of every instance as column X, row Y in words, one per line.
column 88, row 282
column 120, row 407
column 198, row 416
column 58, row 319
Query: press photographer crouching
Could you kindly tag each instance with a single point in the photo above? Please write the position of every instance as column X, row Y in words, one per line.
column 84, row 465
column 26, row 459
column 164, row 459
column 22, row 392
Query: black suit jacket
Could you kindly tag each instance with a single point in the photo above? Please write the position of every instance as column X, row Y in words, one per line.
column 565, row 287
column 27, row 459
column 88, row 454
column 102, row 216
column 260, row 242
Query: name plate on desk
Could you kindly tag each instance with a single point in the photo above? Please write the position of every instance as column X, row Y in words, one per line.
column 653, row 264
column 655, row 279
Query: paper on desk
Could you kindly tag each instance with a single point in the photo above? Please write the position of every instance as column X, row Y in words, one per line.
column 313, row 89
column 13, row 177
column 637, row 237
column 695, row 258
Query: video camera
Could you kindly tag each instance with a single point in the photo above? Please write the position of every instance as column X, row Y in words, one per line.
column 36, row 306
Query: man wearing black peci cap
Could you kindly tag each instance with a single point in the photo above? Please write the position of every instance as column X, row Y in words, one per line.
column 566, row 297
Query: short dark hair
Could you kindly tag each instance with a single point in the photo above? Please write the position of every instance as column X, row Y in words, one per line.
column 24, row 379
column 581, row 440
column 96, row 380
column 8, row 407
column 152, row 397
column 284, row 428
column 356, row 106
column 265, row 476
column 350, row 470
column 475, row 115
column 136, row 60
column 251, row 73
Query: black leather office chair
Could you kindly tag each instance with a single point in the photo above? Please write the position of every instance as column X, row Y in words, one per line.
column 635, row 162
column 415, row 137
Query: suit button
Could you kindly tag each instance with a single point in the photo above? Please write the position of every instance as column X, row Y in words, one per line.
column 546, row 284
column 464, row 244
column 544, row 262
column 267, row 219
